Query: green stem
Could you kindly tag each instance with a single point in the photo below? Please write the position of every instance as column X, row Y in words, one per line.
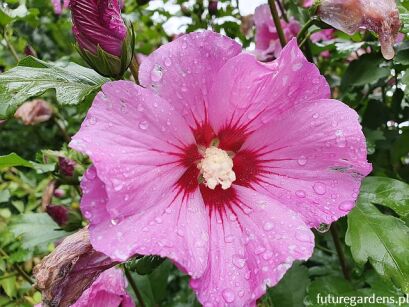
column 10, row 46
column 134, row 287
column 305, row 28
column 340, row 252
column 277, row 22
column 324, row 249
column 134, row 67
column 59, row 121
column 283, row 13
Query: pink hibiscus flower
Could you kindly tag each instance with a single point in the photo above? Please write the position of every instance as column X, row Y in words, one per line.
column 60, row 5
column 220, row 163
column 268, row 44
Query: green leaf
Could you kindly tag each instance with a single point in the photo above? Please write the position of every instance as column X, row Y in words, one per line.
column 7, row 15
column 388, row 192
column 14, row 159
column 4, row 196
column 145, row 265
column 402, row 56
column 367, row 69
column 9, row 286
column 404, row 17
column 405, row 80
column 32, row 77
column 153, row 287
column 290, row 291
column 377, row 238
column 323, row 286
column 36, row 229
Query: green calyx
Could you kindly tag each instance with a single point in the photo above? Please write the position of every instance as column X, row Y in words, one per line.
column 109, row 65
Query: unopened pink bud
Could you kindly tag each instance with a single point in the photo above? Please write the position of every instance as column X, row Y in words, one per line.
column 103, row 39
column 213, row 6
column 98, row 23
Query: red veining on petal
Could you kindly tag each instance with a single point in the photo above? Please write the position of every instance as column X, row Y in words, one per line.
column 231, row 138
column 247, row 167
column 219, row 200
column 204, row 134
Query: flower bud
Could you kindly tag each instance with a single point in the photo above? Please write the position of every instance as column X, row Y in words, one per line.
column 213, row 7
column 381, row 17
column 59, row 193
column 66, row 166
column 63, row 275
column 34, row 112
column 68, row 219
column 103, row 39
column 58, row 213
column 28, row 50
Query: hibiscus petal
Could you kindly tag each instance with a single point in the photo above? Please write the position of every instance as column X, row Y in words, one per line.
column 176, row 228
column 252, row 250
column 94, row 197
column 182, row 71
column 108, row 290
column 313, row 160
column 133, row 137
column 250, row 94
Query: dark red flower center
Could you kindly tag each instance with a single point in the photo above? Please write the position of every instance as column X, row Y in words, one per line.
column 246, row 165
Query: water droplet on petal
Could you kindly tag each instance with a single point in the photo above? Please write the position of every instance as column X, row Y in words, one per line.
column 340, row 139
column 323, row 228
column 346, row 206
column 268, row 226
column 302, row 160
column 91, row 174
column 156, row 73
column 92, row 120
column 238, row 261
column 259, row 250
column 302, row 237
column 143, row 125
column 319, row 188
column 228, row 295
column 117, row 184
column 140, row 107
column 168, row 62
column 300, row 193
column 87, row 215
column 114, row 222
